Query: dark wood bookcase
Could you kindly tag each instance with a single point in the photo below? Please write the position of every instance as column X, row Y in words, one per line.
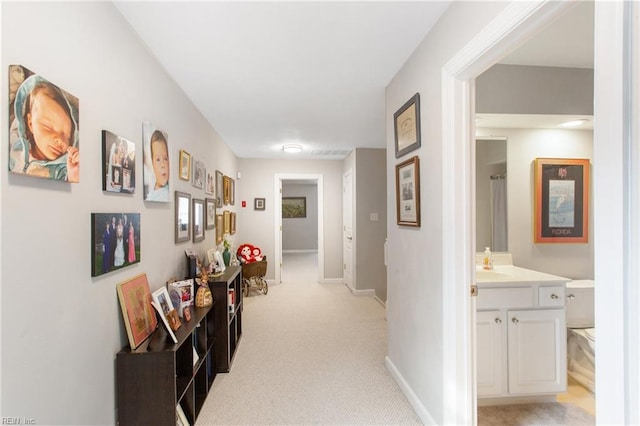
column 152, row 380
column 228, row 325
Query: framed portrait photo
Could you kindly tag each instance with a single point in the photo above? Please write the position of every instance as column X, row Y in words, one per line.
column 198, row 220
column 185, row 165
column 162, row 300
column 210, row 213
column 561, row 200
column 156, row 164
column 406, row 124
column 182, row 217
column 408, row 192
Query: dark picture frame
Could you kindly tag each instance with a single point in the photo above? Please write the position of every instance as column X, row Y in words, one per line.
column 406, row 125
column 113, row 236
column 210, row 213
column 118, row 164
column 561, row 200
column 185, row 165
column 294, row 207
column 259, row 204
column 408, row 192
column 182, row 217
column 198, row 220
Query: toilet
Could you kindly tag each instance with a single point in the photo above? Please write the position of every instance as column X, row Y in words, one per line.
column 581, row 332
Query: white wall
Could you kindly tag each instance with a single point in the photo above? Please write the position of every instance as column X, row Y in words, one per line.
column 301, row 234
column 414, row 274
column 256, row 227
column 61, row 328
column 523, row 147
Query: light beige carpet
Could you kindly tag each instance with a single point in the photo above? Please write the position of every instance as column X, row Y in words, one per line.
column 553, row 413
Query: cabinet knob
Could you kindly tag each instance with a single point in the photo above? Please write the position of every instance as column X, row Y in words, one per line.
column 498, row 321
column 514, row 320
column 554, row 296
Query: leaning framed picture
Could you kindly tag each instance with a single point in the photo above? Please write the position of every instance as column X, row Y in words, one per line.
column 198, row 220
column 210, row 213
column 561, row 200
column 408, row 192
column 115, row 241
column 162, row 299
column 185, row 165
column 135, row 302
column 406, row 124
column 182, row 217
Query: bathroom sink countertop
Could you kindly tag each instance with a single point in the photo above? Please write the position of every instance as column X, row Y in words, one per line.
column 514, row 275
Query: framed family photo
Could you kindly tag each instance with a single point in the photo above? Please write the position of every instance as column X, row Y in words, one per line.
column 406, row 124
column 408, row 192
column 118, row 164
column 561, row 200
column 115, row 241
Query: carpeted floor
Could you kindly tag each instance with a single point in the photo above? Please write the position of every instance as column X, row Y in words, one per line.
column 553, row 413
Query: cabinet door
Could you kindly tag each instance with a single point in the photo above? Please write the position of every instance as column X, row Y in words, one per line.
column 537, row 351
column 491, row 335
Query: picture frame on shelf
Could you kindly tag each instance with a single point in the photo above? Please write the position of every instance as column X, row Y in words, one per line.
column 219, row 228
column 406, row 125
column 165, row 322
column 118, row 164
column 198, row 220
column 210, row 213
column 156, row 164
column 561, row 200
column 137, row 312
column 408, row 192
column 232, row 227
column 259, row 203
column 182, row 217
column 162, row 300
column 181, row 294
column 210, row 184
column 115, row 241
column 185, row 165
column 219, row 189
column 198, row 174
column 294, row 207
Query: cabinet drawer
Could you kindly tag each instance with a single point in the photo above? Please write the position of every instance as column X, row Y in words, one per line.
column 551, row 296
column 510, row 297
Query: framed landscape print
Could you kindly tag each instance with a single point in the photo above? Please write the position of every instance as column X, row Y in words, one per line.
column 135, row 302
column 294, row 207
column 115, row 241
column 182, row 217
column 58, row 157
column 561, row 200
column 406, row 124
column 185, row 165
column 118, row 164
column 408, row 192
column 156, row 163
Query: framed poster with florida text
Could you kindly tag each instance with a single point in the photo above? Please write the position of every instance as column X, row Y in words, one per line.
column 561, row 200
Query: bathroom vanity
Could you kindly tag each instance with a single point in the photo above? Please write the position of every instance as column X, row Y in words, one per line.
column 521, row 335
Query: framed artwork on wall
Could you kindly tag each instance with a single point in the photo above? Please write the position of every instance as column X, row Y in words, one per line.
column 226, row 190
column 219, row 228
column 561, row 200
column 198, row 220
column 227, row 221
column 294, row 207
column 408, row 192
column 406, row 124
column 118, row 164
column 232, row 229
column 198, row 174
column 138, row 315
column 182, row 217
column 210, row 216
column 115, row 241
column 219, row 188
column 210, row 184
column 258, row 203
column 156, row 163
column 58, row 109
column 185, row 165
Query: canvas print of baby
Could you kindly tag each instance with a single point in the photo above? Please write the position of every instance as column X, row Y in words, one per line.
column 156, row 164
column 44, row 128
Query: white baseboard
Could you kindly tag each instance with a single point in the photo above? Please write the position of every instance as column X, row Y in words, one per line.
column 331, row 281
column 380, row 301
column 420, row 410
column 300, row 251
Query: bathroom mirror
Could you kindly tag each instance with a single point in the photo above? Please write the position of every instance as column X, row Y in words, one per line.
column 491, row 194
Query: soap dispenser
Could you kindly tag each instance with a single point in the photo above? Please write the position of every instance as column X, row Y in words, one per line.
column 486, row 261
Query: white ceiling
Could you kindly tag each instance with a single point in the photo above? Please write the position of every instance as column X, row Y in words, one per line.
column 268, row 73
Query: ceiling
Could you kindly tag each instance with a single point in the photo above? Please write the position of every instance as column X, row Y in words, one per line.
column 313, row 73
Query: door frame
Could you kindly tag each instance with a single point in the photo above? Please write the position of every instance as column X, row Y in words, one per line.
column 277, row 196
column 352, row 286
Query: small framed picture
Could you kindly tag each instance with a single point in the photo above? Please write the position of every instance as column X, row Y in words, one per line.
column 210, row 185
column 406, row 124
column 408, row 192
column 182, row 217
column 162, row 299
column 219, row 189
column 198, row 220
column 258, row 203
column 198, row 174
column 210, row 216
column 226, row 190
column 219, row 228
column 232, row 229
column 185, row 165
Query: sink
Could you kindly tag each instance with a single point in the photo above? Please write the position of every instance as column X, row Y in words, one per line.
column 492, row 275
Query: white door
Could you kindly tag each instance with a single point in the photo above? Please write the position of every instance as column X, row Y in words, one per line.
column 537, row 351
column 347, row 228
column 491, row 335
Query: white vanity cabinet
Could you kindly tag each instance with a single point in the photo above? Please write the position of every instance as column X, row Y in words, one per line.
column 521, row 336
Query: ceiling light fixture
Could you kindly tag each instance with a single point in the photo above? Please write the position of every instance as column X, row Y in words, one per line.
column 574, row 123
column 292, row 148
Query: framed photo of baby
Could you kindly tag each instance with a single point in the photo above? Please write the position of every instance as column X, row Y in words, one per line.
column 44, row 132
column 118, row 164
column 156, row 164
column 115, row 241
